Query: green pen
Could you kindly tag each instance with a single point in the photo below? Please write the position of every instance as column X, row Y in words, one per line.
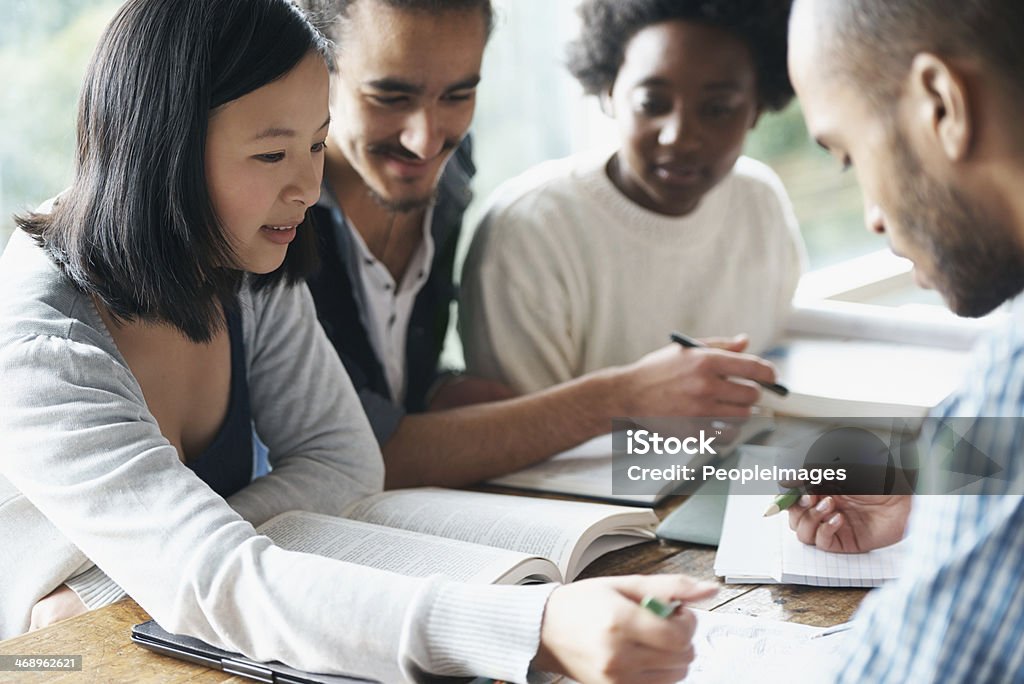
column 660, row 608
column 782, row 502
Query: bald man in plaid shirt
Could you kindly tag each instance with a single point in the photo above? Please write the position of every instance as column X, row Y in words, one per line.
column 923, row 99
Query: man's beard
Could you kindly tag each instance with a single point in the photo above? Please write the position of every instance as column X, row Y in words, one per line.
column 408, row 204
column 976, row 260
column 402, row 206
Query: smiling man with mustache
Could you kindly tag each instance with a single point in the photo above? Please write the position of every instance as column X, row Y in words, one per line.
column 395, row 187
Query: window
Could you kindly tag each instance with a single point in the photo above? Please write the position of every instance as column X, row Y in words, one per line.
column 529, row 110
column 44, row 50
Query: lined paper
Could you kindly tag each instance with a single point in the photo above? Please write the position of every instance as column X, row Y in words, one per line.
column 755, row 549
column 803, row 564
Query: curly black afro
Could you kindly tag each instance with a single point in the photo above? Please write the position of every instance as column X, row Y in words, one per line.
column 608, row 26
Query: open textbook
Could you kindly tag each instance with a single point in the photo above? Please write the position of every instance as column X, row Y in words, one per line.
column 852, row 361
column 755, row 550
column 466, row 536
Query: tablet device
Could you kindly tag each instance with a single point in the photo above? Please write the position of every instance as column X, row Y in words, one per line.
column 150, row 635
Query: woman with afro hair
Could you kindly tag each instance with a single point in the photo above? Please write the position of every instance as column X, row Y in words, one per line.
column 588, row 262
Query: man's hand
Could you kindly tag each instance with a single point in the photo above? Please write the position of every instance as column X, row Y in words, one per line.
column 850, row 524
column 58, row 605
column 596, row 632
column 715, row 381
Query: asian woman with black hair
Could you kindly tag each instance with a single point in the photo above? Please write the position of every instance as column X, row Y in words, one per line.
column 154, row 312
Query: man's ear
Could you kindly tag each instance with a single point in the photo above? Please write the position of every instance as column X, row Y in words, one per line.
column 938, row 100
column 605, row 100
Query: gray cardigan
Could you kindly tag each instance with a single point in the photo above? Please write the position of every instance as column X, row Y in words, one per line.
column 86, row 478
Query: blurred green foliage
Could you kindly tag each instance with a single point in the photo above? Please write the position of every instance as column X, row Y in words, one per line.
column 44, row 49
column 827, row 201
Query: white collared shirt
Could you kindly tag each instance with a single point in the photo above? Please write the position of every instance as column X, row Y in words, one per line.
column 389, row 304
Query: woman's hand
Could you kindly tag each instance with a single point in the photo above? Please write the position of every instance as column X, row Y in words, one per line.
column 60, row 604
column 596, row 632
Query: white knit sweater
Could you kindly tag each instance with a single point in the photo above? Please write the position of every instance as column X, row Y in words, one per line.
column 86, row 478
column 566, row 275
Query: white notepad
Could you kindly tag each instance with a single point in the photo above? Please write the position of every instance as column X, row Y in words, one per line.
column 755, row 550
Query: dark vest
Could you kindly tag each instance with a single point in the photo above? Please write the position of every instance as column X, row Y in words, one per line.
column 340, row 302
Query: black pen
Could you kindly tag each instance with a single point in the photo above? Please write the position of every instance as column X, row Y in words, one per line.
column 691, row 343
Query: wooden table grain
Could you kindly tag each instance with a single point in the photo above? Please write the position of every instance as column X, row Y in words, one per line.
column 101, row 637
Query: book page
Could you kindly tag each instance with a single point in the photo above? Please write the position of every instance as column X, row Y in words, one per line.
column 403, row 552
column 740, row 648
column 539, row 527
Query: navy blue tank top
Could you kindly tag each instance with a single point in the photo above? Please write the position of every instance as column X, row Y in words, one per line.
column 226, row 465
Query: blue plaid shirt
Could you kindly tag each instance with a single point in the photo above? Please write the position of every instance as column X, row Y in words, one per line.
column 957, row 612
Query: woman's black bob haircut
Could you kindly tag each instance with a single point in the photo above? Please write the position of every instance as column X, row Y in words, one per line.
column 608, row 26
column 137, row 228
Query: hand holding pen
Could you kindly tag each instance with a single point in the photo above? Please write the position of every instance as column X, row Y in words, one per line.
column 844, row 523
column 690, row 343
column 597, row 630
column 716, row 381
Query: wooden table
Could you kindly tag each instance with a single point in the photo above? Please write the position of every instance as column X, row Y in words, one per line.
column 102, row 636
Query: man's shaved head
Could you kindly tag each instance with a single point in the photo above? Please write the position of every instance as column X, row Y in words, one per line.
column 878, row 39
column 922, row 98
